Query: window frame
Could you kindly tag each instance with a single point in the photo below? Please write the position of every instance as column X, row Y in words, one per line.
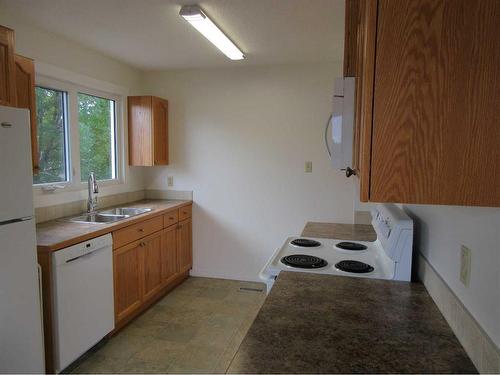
column 74, row 182
column 67, row 150
column 115, row 99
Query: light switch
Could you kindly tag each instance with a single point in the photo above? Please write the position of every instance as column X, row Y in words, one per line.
column 309, row 167
column 170, row 181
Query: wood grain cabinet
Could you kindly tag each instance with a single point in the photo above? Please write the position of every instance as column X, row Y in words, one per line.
column 150, row 258
column 169, row 267
column 17, row 85
column 7, row 67
column 127, row 274
column 147, row 130
column 25, row 96
column 152, row 265
column 184, row 246
column 427, row 116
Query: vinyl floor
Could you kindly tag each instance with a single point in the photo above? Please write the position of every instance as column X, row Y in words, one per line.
column 196, row 328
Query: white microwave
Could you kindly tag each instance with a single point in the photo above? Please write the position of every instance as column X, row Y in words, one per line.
column 339, row 131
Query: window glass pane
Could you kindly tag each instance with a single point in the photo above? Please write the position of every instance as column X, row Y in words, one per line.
column 96, row 117
column 51, row 123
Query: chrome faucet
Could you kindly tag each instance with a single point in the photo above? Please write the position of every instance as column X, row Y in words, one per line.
column 93, row 190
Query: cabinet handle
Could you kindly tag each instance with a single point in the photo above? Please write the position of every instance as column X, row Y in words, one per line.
column 140, row 230
column 349, row 172
column 142, row 244
column 170, row 218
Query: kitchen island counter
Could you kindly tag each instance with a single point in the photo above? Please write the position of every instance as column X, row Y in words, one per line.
column 313, row 323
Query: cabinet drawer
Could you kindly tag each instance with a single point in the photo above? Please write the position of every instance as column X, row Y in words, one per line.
column 185, row 212
column 137, row 231
column 170, row 218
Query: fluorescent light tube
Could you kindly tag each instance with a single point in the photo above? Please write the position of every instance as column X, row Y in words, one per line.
column 200, row 21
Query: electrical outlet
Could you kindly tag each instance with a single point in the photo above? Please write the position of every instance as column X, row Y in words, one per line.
column 170, row 181
column 309, row 167
column 465, row 265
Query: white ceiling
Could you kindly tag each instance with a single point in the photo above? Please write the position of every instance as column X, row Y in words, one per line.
column 150, row 34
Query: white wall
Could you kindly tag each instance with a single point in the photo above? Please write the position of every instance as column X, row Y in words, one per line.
column 239, row 138
column 440, row 231
column 66, row 60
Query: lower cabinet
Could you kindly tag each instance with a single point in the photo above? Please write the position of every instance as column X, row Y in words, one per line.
column 127, row 273
column 146, row 267
column 184, row 244
column 169, row 267
column 151, row 252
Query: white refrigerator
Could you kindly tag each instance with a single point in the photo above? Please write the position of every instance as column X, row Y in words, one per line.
column 21, row 332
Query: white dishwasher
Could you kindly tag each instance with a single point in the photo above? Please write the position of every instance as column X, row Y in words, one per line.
column 83, row 302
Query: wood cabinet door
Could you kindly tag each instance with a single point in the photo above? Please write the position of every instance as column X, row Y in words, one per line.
column 127, row 268
column 364, row 65
column 151, row 249
column 169, row 254
column 184, row 246
column 140, row 148
column 25, row 94
column 160, row 131
column 436, row 133
column 7, row 68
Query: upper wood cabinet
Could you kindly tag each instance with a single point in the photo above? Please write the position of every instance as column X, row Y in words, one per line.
column 17, row 85
column 427, row 101
column 7, row 67
column 25, row 94
column 351, row 37
column 147, row 130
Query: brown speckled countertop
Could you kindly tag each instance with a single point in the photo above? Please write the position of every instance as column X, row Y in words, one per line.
column 353, row 232
column 56, row 234
column 314, row 323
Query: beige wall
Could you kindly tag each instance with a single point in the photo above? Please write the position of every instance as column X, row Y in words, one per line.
column 439, row 233
column 57, row 57
column 239, row 138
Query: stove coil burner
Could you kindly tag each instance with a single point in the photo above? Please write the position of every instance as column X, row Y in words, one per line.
column 354, row 246
column 304, row 242
column 354, row 266
column 304, row 261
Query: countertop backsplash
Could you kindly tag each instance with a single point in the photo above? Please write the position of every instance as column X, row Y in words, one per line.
column 47, row 213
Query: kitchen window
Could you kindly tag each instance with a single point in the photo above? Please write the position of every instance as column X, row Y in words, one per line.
column 52, row 120
column 78, row 133
column 97, row 124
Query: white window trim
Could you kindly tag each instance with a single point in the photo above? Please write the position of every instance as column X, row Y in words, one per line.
column 73, row 135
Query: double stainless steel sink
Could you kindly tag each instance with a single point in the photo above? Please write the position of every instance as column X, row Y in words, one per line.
column 109, row 216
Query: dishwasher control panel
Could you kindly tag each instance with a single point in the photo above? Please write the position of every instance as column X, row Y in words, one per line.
column 83, row 248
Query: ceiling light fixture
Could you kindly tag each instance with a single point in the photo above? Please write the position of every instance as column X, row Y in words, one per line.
column 200, row 21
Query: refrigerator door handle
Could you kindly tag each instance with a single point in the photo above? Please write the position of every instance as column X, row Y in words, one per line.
column 7, row 222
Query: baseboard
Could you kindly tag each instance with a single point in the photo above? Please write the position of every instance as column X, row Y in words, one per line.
column 481, row 349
